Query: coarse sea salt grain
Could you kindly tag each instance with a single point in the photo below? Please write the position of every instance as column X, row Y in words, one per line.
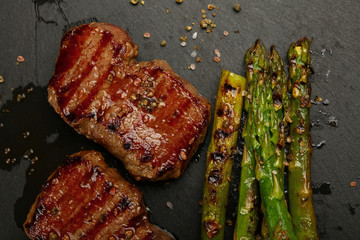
column 183, row 44
column 194, row 36
column 193, row 54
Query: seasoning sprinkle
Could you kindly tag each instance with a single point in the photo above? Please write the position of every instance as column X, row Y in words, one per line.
column 128, row 234
column 20, row 97
column 318, row 99
column 217, row 59
column 193, row 54
column 198, row 59
column 188, row 28
column 229, row 222
column 53, row 236
column 147, row 35
column 142, row 2
column 7, row 150
column 170, row 205
column 211, row 7
column 179, row 1
column 2, row 79
column 202, row 11
column 353, row 184
column 237, row 7
column 20, row 59
column 26, row 134
column 226, row 33
column 163, row 43
column 183, row 39
column 161, row 105
column 217, row 52
column 134, row 2
column 203, row 24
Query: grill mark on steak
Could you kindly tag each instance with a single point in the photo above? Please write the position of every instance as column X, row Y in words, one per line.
column 107, row 218
column 80, row 111
column 143, row 113
column 67, row 56
column 70, row 88
column 96, row 203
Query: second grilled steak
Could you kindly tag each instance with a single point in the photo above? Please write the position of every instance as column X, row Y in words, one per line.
column 143, row 113
column 86, row 199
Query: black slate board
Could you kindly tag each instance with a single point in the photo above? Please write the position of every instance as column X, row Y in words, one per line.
column 33, row 29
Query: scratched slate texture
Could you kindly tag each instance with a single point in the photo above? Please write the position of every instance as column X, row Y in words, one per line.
column 33, row 29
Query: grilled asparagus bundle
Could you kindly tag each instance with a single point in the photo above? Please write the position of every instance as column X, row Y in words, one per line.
column 262, row 175
column 300, row 192
column 220, row 155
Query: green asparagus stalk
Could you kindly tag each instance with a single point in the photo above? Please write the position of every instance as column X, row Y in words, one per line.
column 265, row 136
column 279, row 83
column 300, row 192
column 247, row 216
column 220, row 155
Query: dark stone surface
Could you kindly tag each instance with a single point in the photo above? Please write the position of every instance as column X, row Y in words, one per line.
column 33, row 29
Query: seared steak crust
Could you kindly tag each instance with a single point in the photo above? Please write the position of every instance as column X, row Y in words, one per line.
column 86, row 199
column 143, row 113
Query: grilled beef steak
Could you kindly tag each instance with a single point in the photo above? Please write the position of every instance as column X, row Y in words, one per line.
column 143, row 113
column 86, row 199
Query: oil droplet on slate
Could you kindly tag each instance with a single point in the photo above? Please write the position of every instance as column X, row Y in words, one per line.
column 320, row 144
column 352, row 208
column 333, row 121
column 324, row 188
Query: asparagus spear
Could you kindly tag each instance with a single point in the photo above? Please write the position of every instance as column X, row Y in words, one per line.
column 220, row 154
column 265, row 135
column 247, row 217
column 279, row 83
column 300, row 192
